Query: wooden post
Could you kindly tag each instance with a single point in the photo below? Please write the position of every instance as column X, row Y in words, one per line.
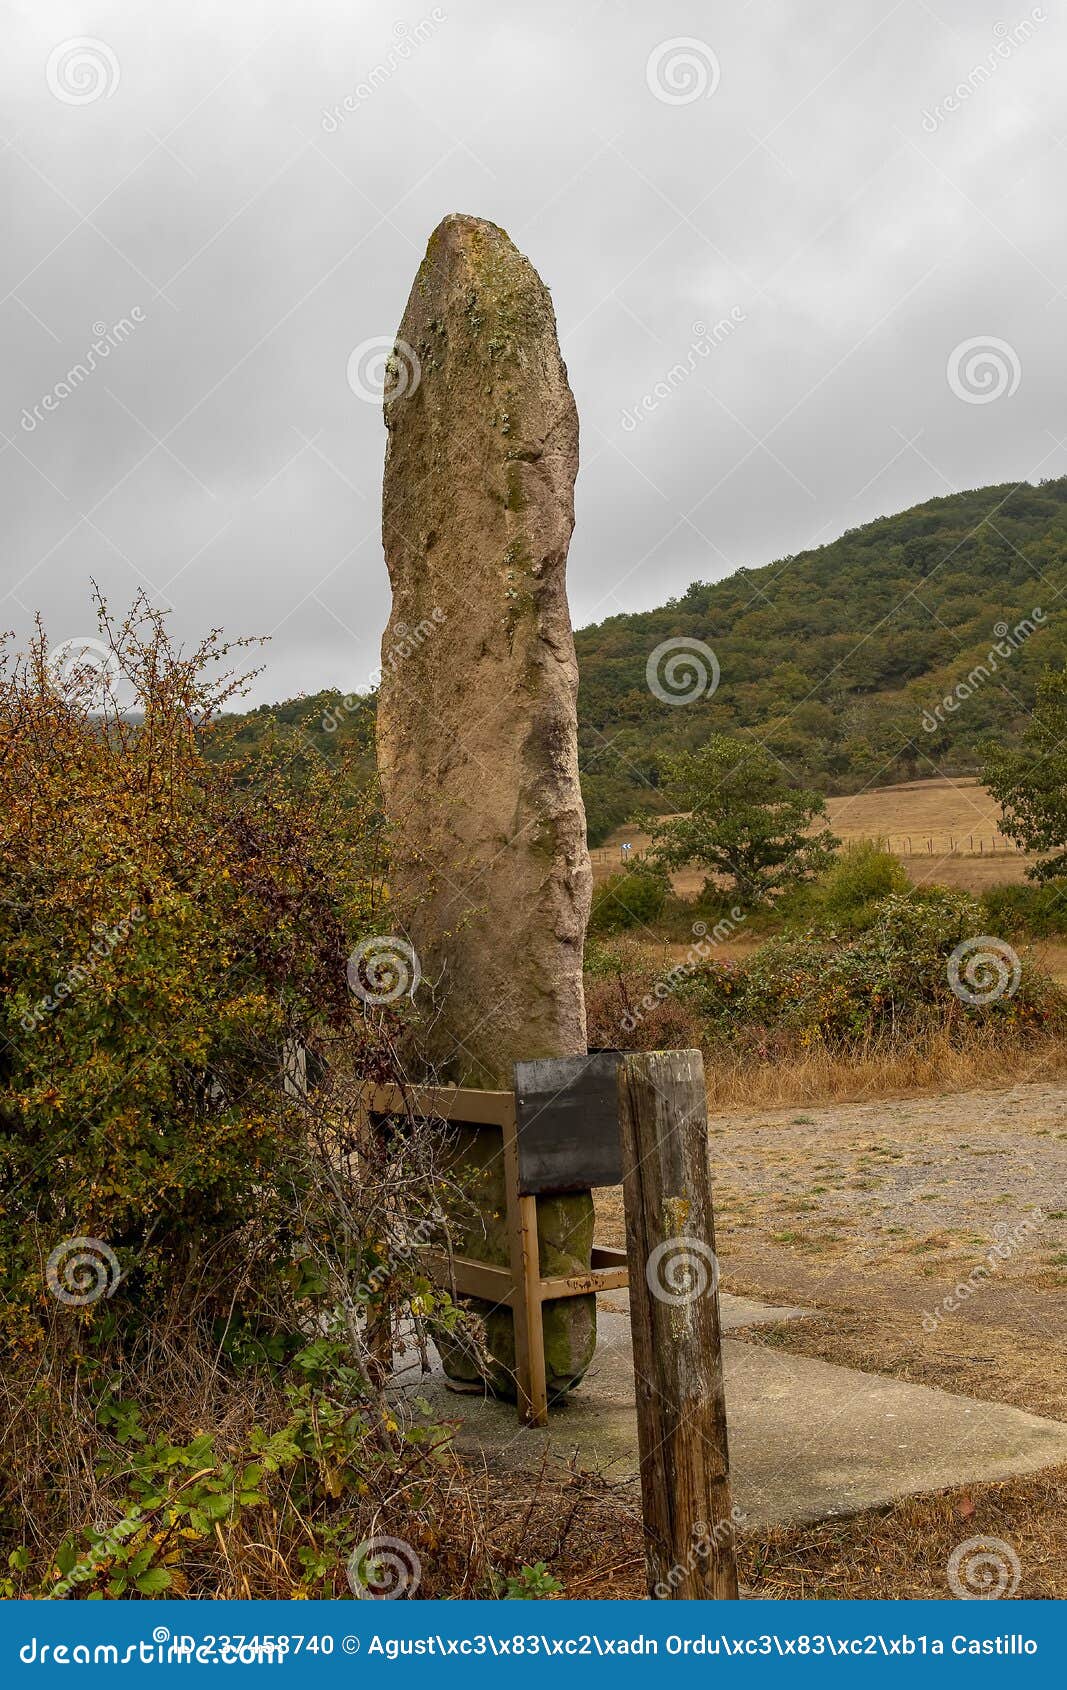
column 530, row 1380
column 674, row 1315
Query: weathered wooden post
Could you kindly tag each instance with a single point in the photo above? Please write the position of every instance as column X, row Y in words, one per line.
column 674, row 1316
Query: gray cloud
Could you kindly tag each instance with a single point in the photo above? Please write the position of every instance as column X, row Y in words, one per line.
column 819, row 197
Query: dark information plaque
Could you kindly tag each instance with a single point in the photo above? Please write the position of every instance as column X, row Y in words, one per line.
column 567, row 1123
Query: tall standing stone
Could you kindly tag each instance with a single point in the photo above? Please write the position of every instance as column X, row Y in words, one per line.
column 477, row 728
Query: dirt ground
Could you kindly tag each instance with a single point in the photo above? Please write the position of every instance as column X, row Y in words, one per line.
column 886, row 1218
column 894, row 1199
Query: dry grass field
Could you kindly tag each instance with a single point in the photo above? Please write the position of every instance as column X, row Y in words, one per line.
column 946, row 831
column 919, row 811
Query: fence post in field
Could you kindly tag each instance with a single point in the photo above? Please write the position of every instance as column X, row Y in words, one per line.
column 674, row 1316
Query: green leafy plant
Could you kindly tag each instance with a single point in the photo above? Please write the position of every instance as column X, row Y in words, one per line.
column 532, row 1583
column 201, row 1261
column 1038, row 911
column 1030, row 781
column 849, row 895
column 741, row 818
column 631, row 899
column 887, row 984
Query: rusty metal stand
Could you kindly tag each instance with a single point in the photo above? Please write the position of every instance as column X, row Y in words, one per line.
column 521, row 1286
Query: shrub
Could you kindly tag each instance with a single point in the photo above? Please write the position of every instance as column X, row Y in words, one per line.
column 167, row 927
column 632, row 899
column 849, row 894
column 200, row 1260
column 632, row 1001
column 887, row 982
column 1039, row 911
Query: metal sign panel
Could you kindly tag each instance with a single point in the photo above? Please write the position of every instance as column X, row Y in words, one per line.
column 567, row 1123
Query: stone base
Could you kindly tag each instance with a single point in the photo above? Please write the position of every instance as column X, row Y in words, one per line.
column 565, row 1241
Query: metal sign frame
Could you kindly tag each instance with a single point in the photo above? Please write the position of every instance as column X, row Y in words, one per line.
column 520, row 1286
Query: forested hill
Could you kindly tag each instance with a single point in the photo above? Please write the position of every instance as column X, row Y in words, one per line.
column 835, row 657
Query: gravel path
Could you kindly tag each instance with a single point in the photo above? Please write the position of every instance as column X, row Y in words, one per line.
column 903, row 1190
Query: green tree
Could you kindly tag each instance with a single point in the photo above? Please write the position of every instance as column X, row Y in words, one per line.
column 742, row 818
column 1031, row 782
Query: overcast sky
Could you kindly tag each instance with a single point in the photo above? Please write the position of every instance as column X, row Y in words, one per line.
column 235, row 198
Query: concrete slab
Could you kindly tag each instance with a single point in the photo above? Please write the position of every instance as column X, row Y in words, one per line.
column 807, row 1440
column 734, row 1312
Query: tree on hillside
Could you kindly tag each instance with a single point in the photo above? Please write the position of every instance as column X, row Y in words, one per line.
column 741, row 818
column 1030, row 783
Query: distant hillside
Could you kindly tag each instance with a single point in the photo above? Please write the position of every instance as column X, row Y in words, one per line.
column 834, row 657
column 303, row 730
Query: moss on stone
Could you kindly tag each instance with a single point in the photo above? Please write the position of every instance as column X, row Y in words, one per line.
column 515, row 499
column 565, row 1238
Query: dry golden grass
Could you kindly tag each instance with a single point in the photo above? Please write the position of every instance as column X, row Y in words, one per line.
column 921, row 810
column 968, row 874
column 933, row 1063
column 948, row 831
column 901, row 1552
column 897, row 1552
